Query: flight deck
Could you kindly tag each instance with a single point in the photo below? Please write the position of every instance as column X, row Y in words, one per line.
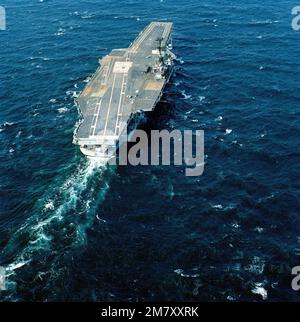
column 128, row 80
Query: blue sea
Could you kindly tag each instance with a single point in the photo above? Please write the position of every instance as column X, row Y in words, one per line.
column 72, row 230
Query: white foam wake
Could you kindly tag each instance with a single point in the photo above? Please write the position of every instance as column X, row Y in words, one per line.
column 79, row 195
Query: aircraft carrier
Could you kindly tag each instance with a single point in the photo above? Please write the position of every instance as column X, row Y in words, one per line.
column 128, row 81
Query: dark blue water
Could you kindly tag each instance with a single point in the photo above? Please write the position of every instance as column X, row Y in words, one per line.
column 70, row 230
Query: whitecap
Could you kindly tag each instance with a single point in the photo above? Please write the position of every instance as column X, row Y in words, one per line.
column 260, row 290
column 52, row 100
column 264, row 22
column 228, row 131
column 18, row 134
column 100, row 219
column 87, row 79
column 62, row 110
column 88, row 16
column 60, row 32
column 217, row 206
column 14, row 266
column 259, row 229
column 181, row 61
column 42, row 238
column 189, row 112
column 186, row 96
column 204, row 87
column 6, row 124
column 72, row 93
column 180, row 272
column 49, row 205
column 235, row 225
column 201, row 98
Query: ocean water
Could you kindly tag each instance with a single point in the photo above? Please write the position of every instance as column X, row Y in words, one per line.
column 72, row 230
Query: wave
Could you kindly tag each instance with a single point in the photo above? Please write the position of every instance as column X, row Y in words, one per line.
column 73, row 94
column 61, row 31
column 6, row 125
column 185, row 96
column 260, row 290
column 59, row 219
column 83, row 15
column 228, row 131
column 62, row 110
column 262, row 22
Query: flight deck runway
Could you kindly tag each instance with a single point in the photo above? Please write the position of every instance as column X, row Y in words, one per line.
column 122, row 86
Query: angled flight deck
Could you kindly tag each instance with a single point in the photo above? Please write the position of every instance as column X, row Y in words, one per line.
column 128, row 80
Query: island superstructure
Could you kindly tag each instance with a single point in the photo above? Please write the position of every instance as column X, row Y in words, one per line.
column 128, row 81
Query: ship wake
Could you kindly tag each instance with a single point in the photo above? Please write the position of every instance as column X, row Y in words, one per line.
column 58, row 224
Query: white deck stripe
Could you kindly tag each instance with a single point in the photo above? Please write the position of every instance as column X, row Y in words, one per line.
column 97, row 115
column 111, row 95
column 120, row 101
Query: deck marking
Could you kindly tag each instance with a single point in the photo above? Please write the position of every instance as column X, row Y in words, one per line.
column 121, row 99
column 98, row 111
column 111, row 64
column 111, row 96
column 120, row 109
column 107, row 71
column 105, row 75
column 139, row 41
